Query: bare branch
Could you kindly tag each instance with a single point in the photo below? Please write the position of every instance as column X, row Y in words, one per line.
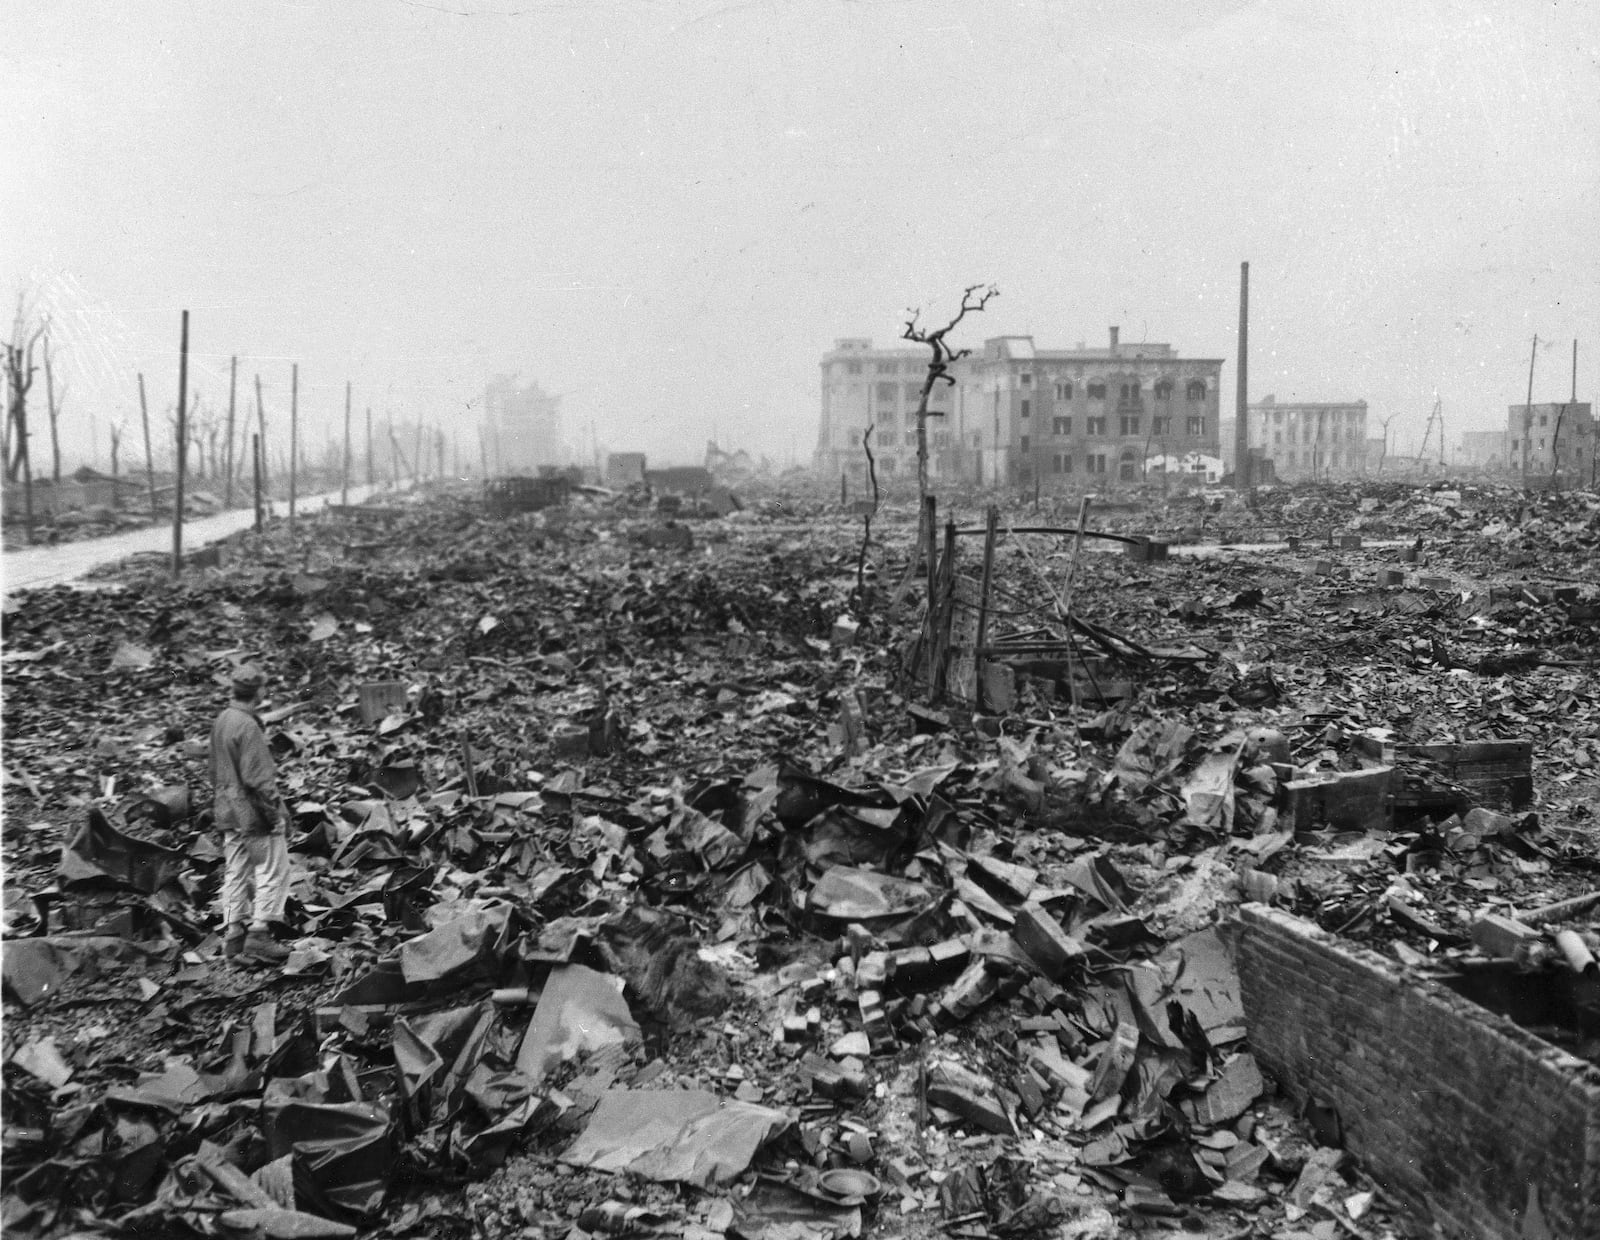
column 973, row 299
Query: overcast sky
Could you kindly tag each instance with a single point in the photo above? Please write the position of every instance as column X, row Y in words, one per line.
column 667, row 211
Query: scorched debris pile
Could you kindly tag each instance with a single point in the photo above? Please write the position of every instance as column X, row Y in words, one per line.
column 635, row 892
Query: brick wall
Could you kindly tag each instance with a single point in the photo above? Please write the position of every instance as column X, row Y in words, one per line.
column 1453, row 1110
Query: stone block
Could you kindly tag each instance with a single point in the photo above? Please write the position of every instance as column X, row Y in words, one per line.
column 1346, row 801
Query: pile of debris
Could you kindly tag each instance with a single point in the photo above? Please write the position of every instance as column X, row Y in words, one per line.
column 621, row 873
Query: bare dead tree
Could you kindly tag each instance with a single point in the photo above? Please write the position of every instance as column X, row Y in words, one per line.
column 19, row 372
column 52, row 404
column 973, row 299
column 866, row 521
column 1383, row 454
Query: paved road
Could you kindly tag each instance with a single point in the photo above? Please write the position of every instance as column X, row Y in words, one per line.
column 32, row 567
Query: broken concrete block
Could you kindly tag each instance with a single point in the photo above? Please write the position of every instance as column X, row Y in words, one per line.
column 1145, row 550
column 1346, row 801
column 1391, row 577
column 969, row 1096
column 975, row 987
column 1230, row 1095
column 845, row 629
column 1503, row 937
column 846, row 1079
column 380, row 699
column 1350, row 542
column 1045, row 941
column 569, row 740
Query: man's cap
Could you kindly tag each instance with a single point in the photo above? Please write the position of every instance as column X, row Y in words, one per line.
column 247, row 676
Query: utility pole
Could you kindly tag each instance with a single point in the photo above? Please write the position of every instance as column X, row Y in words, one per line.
column 183, row 437
column 149, row 461
column 261, row 430
column 344, row 488
column 370, row 479
column 1527, row 413
column 294, row 441
column 233, row 383
column 1555, row 444
column 1241, row 427
column 255, row 469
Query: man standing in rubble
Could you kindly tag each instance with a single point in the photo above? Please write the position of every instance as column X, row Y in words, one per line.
column 253, row 820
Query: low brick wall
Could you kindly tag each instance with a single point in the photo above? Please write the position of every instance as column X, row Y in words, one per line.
column 1452, row 1109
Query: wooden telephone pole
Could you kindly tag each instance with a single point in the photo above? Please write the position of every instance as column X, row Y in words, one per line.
column 183, row 444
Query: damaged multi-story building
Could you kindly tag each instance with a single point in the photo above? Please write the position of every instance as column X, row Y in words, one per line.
column 1016, row 413
column 1305, row 440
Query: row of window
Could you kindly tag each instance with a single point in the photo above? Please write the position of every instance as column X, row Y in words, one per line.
column 1516, row 445
column 1128, row 424
column 1129, row 393
column 1353, row 416
column 1350, row 432
column 886, row 392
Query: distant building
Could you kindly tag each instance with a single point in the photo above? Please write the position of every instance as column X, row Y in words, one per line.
column 1532, row 440
column 624, row 469
column 879, row 388
column 1018, row 414
column 521, row 427
column 1306, row 440
column 1482, row 449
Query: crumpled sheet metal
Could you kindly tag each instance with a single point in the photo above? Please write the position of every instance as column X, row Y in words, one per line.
column 687, row 1135
column 100, row 855
column 344, row 1153
column 580, row 1011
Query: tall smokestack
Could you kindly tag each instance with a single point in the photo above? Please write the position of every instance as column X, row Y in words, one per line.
column 1241, row 426
column 1115, row 331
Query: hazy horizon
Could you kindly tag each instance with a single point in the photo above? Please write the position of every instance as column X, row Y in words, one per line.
column 667, row 212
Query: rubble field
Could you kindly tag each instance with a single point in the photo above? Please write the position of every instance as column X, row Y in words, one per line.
column 681, row 874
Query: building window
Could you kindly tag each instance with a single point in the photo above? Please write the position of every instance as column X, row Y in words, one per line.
column 1097, row 426
column 1097, row 391
column 1095, row 463
column 1063, row 462
column 911, row 417
column 1064, row 392
column 911, row 439
column 1061, row 426
column 888, row 368
column 1197, row 426
column 1333, row 460
column 1027, row 408
column 1130, row 394
column 1024, row 443
column 1127, row 468
column 913, row 392
column 1164, row 390
column 1027, row 378
column 1130, row 424
column 1277, row 437
column 1161, row 425
column 852, row 368
column 885, row 393
column 1277, row 417
column 1544, row 420
column 1513, row 445
column 1197, row 390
